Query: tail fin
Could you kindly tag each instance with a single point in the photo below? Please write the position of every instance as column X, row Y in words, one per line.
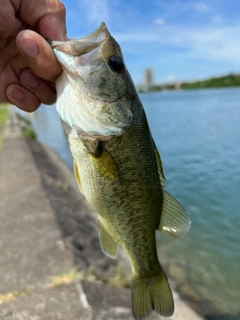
column 151, row 294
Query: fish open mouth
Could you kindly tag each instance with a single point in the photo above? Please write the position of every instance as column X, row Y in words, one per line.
column 78, row 47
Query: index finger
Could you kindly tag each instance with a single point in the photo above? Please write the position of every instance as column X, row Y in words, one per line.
column 48, row 17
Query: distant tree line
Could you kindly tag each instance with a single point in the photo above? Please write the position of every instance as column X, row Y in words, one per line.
column 231, row 80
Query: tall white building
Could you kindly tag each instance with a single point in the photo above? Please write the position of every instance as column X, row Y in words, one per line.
column 148, row 78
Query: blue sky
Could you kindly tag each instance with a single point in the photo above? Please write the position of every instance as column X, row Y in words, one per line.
column 178, row 39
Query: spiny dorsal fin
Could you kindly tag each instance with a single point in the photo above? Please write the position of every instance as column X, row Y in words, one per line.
column 76, row 174
column 108, row 244
column 174, row 221
column 159, row 165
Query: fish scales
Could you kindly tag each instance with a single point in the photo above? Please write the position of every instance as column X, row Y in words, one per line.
column 138, row 195
column 116, row 163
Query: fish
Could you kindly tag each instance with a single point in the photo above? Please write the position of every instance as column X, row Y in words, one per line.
column 116, row 163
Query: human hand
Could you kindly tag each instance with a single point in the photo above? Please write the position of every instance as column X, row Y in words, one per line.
column 28, row 66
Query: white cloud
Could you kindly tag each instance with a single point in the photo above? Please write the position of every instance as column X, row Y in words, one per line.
column 216, row 44
column 213, row 44
column 160, row 22
column 175, row 8
column 202, row 7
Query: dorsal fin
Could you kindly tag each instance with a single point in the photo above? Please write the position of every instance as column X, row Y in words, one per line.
column 159, row 165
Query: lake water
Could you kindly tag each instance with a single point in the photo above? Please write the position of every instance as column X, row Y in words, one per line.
column 198, row 136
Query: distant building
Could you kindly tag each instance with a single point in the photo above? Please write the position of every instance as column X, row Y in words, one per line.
column 148, row 78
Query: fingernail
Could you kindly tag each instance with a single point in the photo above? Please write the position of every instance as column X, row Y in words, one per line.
column 16, row 94
column 29, row 79
column 29, row 46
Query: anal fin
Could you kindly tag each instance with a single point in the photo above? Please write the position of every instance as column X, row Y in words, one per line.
column 174, row 221
column 108, row 244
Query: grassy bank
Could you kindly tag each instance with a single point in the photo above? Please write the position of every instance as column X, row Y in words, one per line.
column 27, row 128
column 4, row 114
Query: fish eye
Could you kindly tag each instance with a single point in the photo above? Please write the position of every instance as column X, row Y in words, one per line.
column 116, row 63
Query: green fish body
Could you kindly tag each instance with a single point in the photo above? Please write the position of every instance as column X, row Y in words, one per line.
column 117, row 165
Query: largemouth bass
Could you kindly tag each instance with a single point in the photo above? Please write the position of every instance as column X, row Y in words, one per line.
column 116, row 162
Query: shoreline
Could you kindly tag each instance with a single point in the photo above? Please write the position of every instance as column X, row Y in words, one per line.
column 78, row 230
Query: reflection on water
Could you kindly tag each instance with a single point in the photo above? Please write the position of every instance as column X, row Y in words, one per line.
column 198, row 136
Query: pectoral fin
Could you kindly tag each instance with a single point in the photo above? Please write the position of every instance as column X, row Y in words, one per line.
column 174, row 221
column 108, row 244
column 76, row 174
column 104, row 162
column 94, row 147
column 107, row 165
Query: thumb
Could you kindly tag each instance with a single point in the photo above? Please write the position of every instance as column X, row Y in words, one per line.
column 38, row 55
